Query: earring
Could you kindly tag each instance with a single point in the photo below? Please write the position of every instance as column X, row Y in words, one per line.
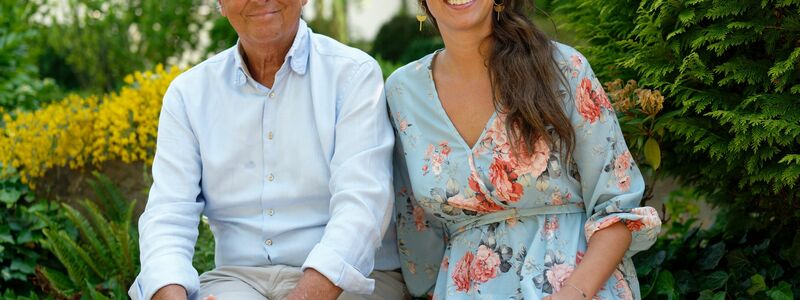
column 499, row 8
column 421, row 17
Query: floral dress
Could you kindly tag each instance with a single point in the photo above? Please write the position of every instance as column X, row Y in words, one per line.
column 481, row 223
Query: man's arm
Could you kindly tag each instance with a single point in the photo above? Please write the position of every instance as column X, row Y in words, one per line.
column 361, row 190
column 168, row 227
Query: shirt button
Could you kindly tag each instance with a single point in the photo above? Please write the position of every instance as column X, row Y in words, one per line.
column 270, row 177
column 272, row 94
column 270, row 212
column 270, row 135
column 268, row 242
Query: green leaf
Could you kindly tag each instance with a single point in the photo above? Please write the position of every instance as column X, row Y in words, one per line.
column 781, row 292
column 652, row 153
column 10, row 196
column 714, row 280
column 665, row 284
column 709, row 295
column 757, row 284
column 712, row 256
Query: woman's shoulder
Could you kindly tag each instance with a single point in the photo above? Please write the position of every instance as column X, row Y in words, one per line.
column 412, row 73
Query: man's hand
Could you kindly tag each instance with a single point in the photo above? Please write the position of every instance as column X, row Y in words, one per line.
column 170, row 292
column 314, row 285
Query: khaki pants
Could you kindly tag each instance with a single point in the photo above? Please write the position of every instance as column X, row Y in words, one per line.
column 276, row 282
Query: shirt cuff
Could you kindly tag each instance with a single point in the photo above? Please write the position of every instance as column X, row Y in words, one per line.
column 338, row 271
column 161, row 272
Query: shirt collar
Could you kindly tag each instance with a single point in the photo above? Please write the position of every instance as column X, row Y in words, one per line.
column 297, row 56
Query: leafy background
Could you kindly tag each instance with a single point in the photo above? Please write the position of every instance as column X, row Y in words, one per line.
column 707, row 91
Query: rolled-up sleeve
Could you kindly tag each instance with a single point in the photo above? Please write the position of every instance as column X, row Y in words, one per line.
column 611, row 183
column 168, row 227
column 360, row 185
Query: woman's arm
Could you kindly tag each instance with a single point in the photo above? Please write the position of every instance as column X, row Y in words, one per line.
column 603, row 255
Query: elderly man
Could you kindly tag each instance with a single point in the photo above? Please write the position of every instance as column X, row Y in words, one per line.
column 284, row 143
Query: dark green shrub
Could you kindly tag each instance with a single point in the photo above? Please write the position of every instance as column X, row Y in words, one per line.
column 730, row 75
column 21, row 238
column 400, row 40
column 20, row 85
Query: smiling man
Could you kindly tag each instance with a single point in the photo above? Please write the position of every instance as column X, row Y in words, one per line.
column 284, row 143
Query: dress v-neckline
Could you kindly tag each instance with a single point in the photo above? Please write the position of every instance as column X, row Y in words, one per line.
column 443, row 113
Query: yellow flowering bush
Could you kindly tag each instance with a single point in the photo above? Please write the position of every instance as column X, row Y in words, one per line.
column 79, row 131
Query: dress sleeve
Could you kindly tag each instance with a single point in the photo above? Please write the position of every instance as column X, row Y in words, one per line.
column 611, row 183
column 421, row 238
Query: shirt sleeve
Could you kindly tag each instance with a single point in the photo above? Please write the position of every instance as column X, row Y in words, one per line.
column 168, row 226
column 421, row 237
column 360, row 185
column 611, row 183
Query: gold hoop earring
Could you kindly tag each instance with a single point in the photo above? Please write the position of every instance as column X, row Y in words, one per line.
column 421, row 16
column 499, row 8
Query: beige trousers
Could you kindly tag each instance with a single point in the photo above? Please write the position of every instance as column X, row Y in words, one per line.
column 276, row 282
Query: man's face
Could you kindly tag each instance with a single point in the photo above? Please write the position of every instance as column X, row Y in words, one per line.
column 263, row 21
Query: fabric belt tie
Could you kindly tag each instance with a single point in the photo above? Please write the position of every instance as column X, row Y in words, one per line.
column 499, row 216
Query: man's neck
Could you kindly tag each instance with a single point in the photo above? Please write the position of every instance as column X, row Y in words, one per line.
column 263, row 60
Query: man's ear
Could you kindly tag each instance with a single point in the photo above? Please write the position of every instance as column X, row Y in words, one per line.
column 219, row 8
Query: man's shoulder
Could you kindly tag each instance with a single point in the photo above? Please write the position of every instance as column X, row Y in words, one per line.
column 333, row 50
column 207, row 70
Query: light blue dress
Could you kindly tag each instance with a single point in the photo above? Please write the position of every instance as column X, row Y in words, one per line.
column 480, row 223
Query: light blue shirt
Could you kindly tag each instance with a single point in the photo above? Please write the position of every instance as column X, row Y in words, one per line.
column 298, row 174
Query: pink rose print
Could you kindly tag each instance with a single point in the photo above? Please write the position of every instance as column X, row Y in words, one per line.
column 461, row 276
column 478, row 203
column 435, row 156
column 555, row 199
column 419, row 218
column 532, row 163
column 621, row 165
column 484, row 266
column 624, row 183
column 600, row 97
column 403, row 125
column 550, row 227
column 558, row 274
column 502, row 175
column 586, row 105
column 577, row 61
column 649, row 216
column 634, row 225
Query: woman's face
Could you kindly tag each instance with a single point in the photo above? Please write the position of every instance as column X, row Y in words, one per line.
column 462, row 15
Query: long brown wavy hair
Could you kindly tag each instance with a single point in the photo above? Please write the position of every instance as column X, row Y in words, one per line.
column 525, row 79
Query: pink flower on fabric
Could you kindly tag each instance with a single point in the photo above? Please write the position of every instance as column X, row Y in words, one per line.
column 551, row 225
column 532, row 163
column 600, row 97
column 461, row 274
column 577, row 61
column 649, row 216
column 624, row 183
column 478, row 203
column 502, row 175
column 445, row 263
column 634, row 225
column 556, row 198
column 622, row 163
column 588, row 109
column 419, row 218
column 403, row 125
column 485, row 265
column 559, row 274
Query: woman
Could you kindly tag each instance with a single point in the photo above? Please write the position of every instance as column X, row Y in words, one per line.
column 510, row 159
